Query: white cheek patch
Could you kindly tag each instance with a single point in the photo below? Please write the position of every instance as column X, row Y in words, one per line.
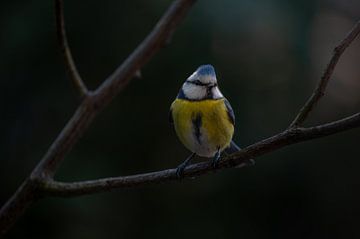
column 194, row 92
column 216, row 93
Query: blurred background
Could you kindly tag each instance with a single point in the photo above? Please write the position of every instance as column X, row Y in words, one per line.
column 268, row 56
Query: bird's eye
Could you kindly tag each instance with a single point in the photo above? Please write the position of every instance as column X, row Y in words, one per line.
column 197, row 82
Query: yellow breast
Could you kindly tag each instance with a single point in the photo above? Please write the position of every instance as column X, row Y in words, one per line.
column 214, row 131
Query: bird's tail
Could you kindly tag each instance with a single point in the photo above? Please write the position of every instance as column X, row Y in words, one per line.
column 233, row 147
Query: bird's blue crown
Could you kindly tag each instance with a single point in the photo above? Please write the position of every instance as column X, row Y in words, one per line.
column 206, row 70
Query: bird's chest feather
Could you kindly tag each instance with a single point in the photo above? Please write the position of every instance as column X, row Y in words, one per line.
column 202, row 126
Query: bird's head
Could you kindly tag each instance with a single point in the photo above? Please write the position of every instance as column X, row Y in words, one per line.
column 201, row 84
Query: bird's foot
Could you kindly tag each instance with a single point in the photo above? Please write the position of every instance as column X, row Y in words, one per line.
column 216, row 159
column 180, row 170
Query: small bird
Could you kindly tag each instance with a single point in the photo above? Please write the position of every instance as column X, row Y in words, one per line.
column 203, row 118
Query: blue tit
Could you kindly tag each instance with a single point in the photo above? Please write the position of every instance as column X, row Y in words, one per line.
column 203, row 118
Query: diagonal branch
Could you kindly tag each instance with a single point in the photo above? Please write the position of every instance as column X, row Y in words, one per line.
column 69, row 61
column 288, row 137
column 91, row 105
column 320, row 89
column 98, row 100
column 158, row 38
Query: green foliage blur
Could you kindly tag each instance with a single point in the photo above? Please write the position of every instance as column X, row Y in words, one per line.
column 268, row 56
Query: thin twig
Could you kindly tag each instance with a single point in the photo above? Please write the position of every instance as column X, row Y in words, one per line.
column 69, row 61
column 320, row 89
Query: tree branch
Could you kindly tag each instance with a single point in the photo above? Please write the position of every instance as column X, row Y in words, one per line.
column 16, row 205
column 287, row 137
column 96, row 101
column 158, row 38
column 69, row 61
column 320, row 89
column 40, row 182
column 91, row 105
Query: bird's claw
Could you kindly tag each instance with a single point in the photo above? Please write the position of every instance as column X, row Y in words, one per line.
column 180, row 170
column 250, row 162
column 216, row 160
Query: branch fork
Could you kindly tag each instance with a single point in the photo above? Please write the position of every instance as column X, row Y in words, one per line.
column 321, row 87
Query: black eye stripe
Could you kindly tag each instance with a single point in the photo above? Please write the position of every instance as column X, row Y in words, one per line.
column 199, row 83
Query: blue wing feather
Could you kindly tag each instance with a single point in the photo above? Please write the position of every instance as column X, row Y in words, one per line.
column 233, row 147
column 230, row 111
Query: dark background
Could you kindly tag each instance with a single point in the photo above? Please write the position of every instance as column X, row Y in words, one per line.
column 268, row 56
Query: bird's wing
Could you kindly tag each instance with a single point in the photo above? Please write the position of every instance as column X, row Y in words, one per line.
column 230, row 111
